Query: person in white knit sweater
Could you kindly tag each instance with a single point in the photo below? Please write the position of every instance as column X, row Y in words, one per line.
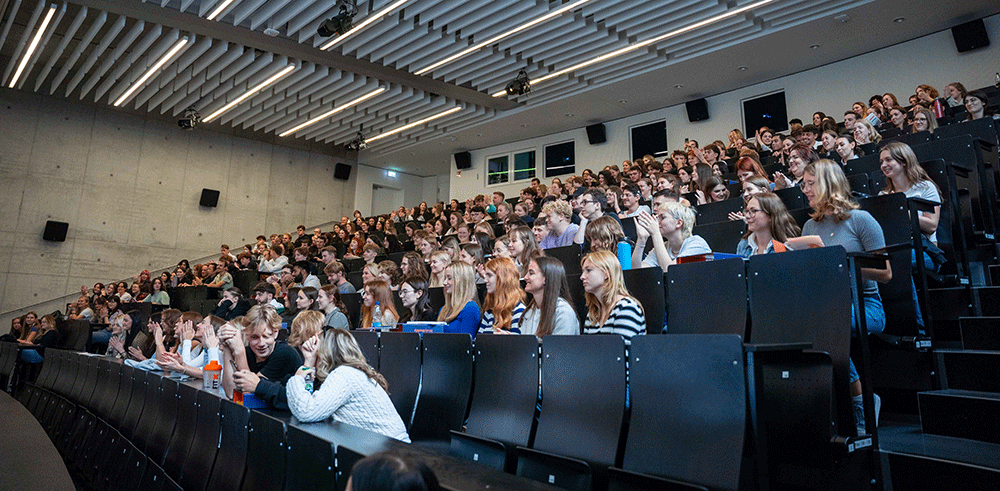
column 350, row 390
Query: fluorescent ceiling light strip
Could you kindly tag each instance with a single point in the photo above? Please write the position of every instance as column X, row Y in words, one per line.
column 633, row 47
column 34, row 45
column 368, row 21
column 414, row 124
column 218, row 10
column 499, row 37
column 333, row 111
column 250, row 93
column 152, row 71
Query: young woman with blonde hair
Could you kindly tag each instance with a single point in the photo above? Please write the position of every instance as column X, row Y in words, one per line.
column 611, row 309
column 377, row 291
column 306, row 324
column 461, row 309
column 504, row 302
column 439, row 260
column 350, row 391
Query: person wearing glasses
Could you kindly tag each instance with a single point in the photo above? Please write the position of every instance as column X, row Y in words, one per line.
column 413, row 294
column 767, row 221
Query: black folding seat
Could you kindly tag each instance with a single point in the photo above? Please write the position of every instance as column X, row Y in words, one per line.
column 75, row 442
column 82, row 376
column 124, row 389
column 106, row 390
column 397, row 257
column 445, row 386
column 44, row 400
column 646, row 285
column 399, row 363
column 861, row 185
column 62, row 382
column 688, row 412
column 583, row 408
column 721, row 236
column 89, row 457
column 8, row 361
column 502, row 412
column 155, row 478
column 346, row 458
column 792, row 198
column 135, row 407
column 569, row 256
column 89, row 387
column 368, row 341
column 628, row 226
column 50, row 368
column 132, row 470
column 353, row 303
column 310, row 462
column 184, row 432
column 151, row 410
column 55, row 421
column 205, row 445
column 158, row 441
column 230, row 463
column 722, row 289
column 435, row 296
column 266, row 453
column 109, row 459
column 354, row 264
column 719, row 211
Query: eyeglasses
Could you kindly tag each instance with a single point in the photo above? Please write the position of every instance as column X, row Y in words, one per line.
column 403, row 291
column 588, row 201
column 752, row 211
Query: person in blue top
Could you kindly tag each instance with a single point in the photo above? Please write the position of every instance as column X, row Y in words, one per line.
column 767, row 221
column 460, row 311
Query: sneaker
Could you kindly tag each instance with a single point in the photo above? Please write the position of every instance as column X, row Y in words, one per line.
column 859, row 414
column 878, row 406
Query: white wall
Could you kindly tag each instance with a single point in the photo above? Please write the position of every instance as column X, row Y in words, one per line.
column 832, row 89
column 129, row 188
column 415, row 188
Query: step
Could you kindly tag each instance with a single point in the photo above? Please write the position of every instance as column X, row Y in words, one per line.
column 994, row 274
column 961, row 414
column 969, row 370
column 947, row 305
column 989, row 300
column 980, row 333
column 908, row 471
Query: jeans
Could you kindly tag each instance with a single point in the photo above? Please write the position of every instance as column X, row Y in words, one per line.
column 100, row 337
column 875, row 320
column 31, row 356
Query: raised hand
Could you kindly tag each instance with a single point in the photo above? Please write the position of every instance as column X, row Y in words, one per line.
column 646, row 225
column 309, row 349
column 209, row 338
column 136, row 353
column 187, row 330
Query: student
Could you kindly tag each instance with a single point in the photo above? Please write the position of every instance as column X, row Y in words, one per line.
column 838, row 221
column 549, row 309
column 306, row 299
column 412, row 264
column 523, row 248
column 329, row 303
column 504, row 302
column 439, row 260
column 47, row 336
column 350, row 391
column 767, row 220
column 377, row 291
column 306, row 324
column 847, row 149
column 232, row 304
column 337, row 275
column 904, row 174
column 461, row 310
column 413, row 294
column 472, row 254
column 192, row 358
column 611, row 309
column 715, row 190
column 670, row 233
column 799, row 156
column 264, row 364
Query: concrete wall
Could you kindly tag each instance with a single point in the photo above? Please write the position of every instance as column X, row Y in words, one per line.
column 129, row 188
column 832, row 88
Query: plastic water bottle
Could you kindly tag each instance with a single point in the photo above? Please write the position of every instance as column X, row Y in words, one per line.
column 377, row 317
column 309, row 382
column 625, row 255
column 211, row 375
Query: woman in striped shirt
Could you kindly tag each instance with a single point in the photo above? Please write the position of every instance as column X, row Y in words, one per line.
column 504, row 302
column 610, row 307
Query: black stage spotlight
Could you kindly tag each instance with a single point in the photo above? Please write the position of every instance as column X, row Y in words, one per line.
column 338, row 24
column 358, row 143
column 520, row 85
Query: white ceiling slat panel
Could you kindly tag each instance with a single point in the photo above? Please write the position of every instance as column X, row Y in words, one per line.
column 33, row 23
column 219, row 49
column 513, row 14
column 49, row 30
column 137, row 70
column 10, row 22
column 265, row 12
column 141, row 51
column 159, row 89
column 235, row 53
column 261, row 61
column 96, row 53
column 60, row 48
column 311, row 17
column 245, row 9
column 288, row 13
column 186, row 4
column 123, row 44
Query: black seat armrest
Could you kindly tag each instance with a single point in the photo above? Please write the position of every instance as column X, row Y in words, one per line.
column 756, row 348
column 623, row 480
column 869, row 259
column 922, row 204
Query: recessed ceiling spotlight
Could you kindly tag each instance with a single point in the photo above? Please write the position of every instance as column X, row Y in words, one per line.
column 525, row 125
column 479, row 134
column 568, row 115
column 843, row 18
column 622, row 101
column 743, row 68
column 679, row 86
column 270, row 31
column 899, row 20
column 813, row 46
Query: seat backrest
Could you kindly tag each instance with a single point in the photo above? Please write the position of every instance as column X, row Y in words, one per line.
column 688, row 398
column 186, row 422
column 719, row 284
column 83, row 389
column 266, row 455
column 719, row 211
column 628, row 226
column 135, row 407
column 310, row 462
column 396, row 257
column 435, row 297
column 569, row 256
column 646, row 285
column 368, row 341
column 445, row 386
column 353, row 303
column 860, row 183
column 399, row 363
column 721, row 236
column 151, row 410
column 107, row 388
column 964, row 150
column 124, row 388
column 50, row 368
column 506, row 388
column 204, row 447
column 75, row 334
column 583, row 397
column 354, row 264
column 792, row 198
column 230, row 463
column 68, row 373
column 982, row 129
column 354, row 277
column 158, row 441
column 805, row 297
column 245, row 281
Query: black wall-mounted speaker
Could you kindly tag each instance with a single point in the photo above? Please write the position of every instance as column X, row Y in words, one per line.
column 342, row 172
column 595, row 134
column 463, row 160
column 55, row 231
column 209, row 198
column 697, row 110
column 970, row 36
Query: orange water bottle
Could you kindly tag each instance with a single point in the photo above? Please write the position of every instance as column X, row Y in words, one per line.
column 211, row 375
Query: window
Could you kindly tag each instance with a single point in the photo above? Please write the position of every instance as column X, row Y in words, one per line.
column 560, row 159
column 497, row 169
column 649, row 139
